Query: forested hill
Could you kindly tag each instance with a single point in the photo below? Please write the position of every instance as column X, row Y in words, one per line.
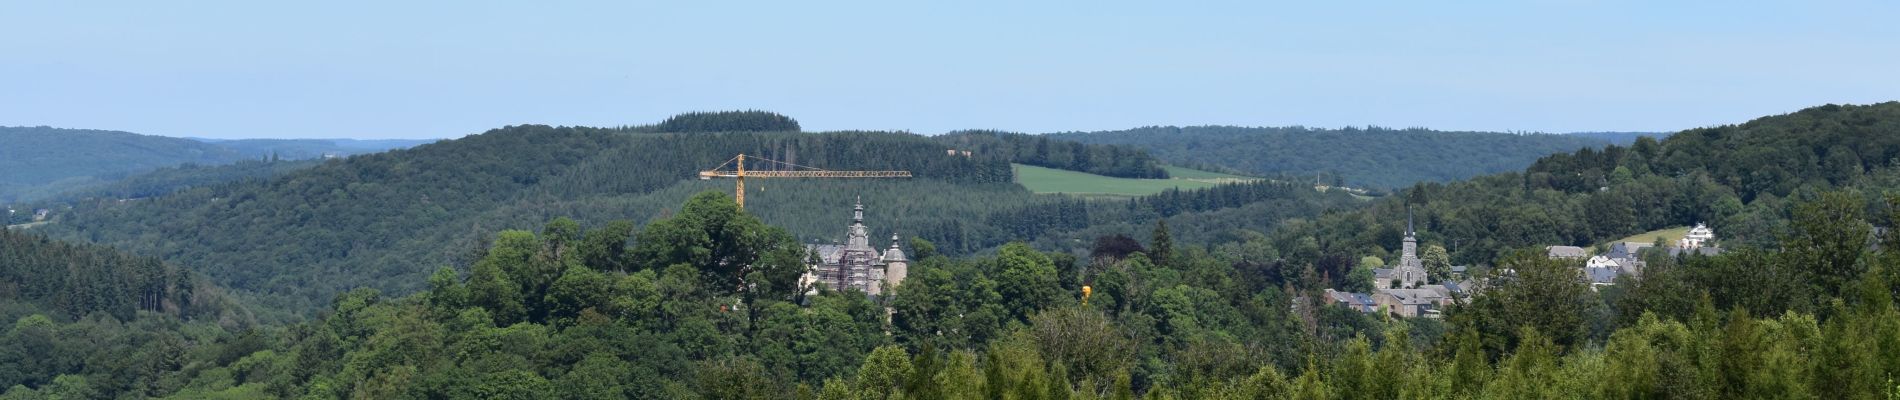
column 1743, row 180
column 40, row 160
column 385, row 220
column 561, row 310
column 1369, row 157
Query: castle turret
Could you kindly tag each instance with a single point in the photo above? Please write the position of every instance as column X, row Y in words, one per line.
column 896, row 266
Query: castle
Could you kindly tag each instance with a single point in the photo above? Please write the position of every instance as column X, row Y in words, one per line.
column 855, row 264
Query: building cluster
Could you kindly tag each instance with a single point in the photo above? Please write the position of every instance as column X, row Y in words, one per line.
column 856, row 264
column 1623, row 258
column 1406, row 290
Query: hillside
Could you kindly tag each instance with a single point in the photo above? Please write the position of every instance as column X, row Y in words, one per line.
column 387, row 219
column 1201, row 306
column 1742, row 180
column 1372, row 157
column 41, row 161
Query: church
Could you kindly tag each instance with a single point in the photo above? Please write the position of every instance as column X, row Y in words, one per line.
column 855, row 265
column 1410, row 272
column 1403, row 290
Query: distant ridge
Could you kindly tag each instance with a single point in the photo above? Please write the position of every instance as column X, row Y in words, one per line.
column 1621, row 138
column 42, row 162
column 297, row 149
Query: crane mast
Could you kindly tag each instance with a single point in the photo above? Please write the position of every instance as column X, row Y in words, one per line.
column 739, row 173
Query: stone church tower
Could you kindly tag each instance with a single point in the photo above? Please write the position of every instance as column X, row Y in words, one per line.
column 1411, row 270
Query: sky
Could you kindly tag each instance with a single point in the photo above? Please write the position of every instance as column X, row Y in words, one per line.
column 432, row 69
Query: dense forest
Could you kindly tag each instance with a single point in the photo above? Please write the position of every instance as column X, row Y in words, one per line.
column 1743, row 180
column 392, row 217
column 386, row 220
column 1371, row 157
column 567, row 312
column 704, row 301
column 1118, row 161
column 74, row 281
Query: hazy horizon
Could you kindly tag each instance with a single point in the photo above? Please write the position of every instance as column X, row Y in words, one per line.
column 446, row 69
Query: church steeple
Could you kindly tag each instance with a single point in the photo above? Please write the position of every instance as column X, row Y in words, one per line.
column 1408, row 223
column 1411, row 270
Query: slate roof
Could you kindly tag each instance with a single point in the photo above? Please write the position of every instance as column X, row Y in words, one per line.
column 1567, row 252
column 1416, row 296
column 1454, row 288
column 1626, row 249
column 1360, row 302
column 1630, row 265
column 828, row 253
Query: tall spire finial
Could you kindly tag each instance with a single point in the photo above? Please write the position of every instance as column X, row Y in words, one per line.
column 1408, row 221
column 857, row 211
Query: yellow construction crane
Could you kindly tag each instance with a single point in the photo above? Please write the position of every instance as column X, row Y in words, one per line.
column 791, row 171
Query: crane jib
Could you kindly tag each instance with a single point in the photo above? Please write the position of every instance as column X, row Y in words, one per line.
column 740, row 173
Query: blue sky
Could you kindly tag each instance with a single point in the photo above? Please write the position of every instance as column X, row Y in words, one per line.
column 422, row 69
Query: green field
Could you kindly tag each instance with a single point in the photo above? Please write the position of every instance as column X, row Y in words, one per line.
column 1669, row 235
column 1050, row 180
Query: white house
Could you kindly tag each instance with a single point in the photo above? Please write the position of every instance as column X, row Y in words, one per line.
column 1600, row 262
column 1697, row 237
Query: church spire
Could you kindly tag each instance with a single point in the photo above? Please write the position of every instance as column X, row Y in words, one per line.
column 1408, row 222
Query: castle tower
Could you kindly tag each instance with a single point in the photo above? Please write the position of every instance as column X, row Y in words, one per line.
column 857, row 236
column 896, row 266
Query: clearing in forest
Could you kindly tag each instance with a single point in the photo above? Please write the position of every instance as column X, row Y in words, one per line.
column 1050, row 180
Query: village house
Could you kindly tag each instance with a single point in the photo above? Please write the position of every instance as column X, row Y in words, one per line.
column 1557, row 252
column 1697, row 237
